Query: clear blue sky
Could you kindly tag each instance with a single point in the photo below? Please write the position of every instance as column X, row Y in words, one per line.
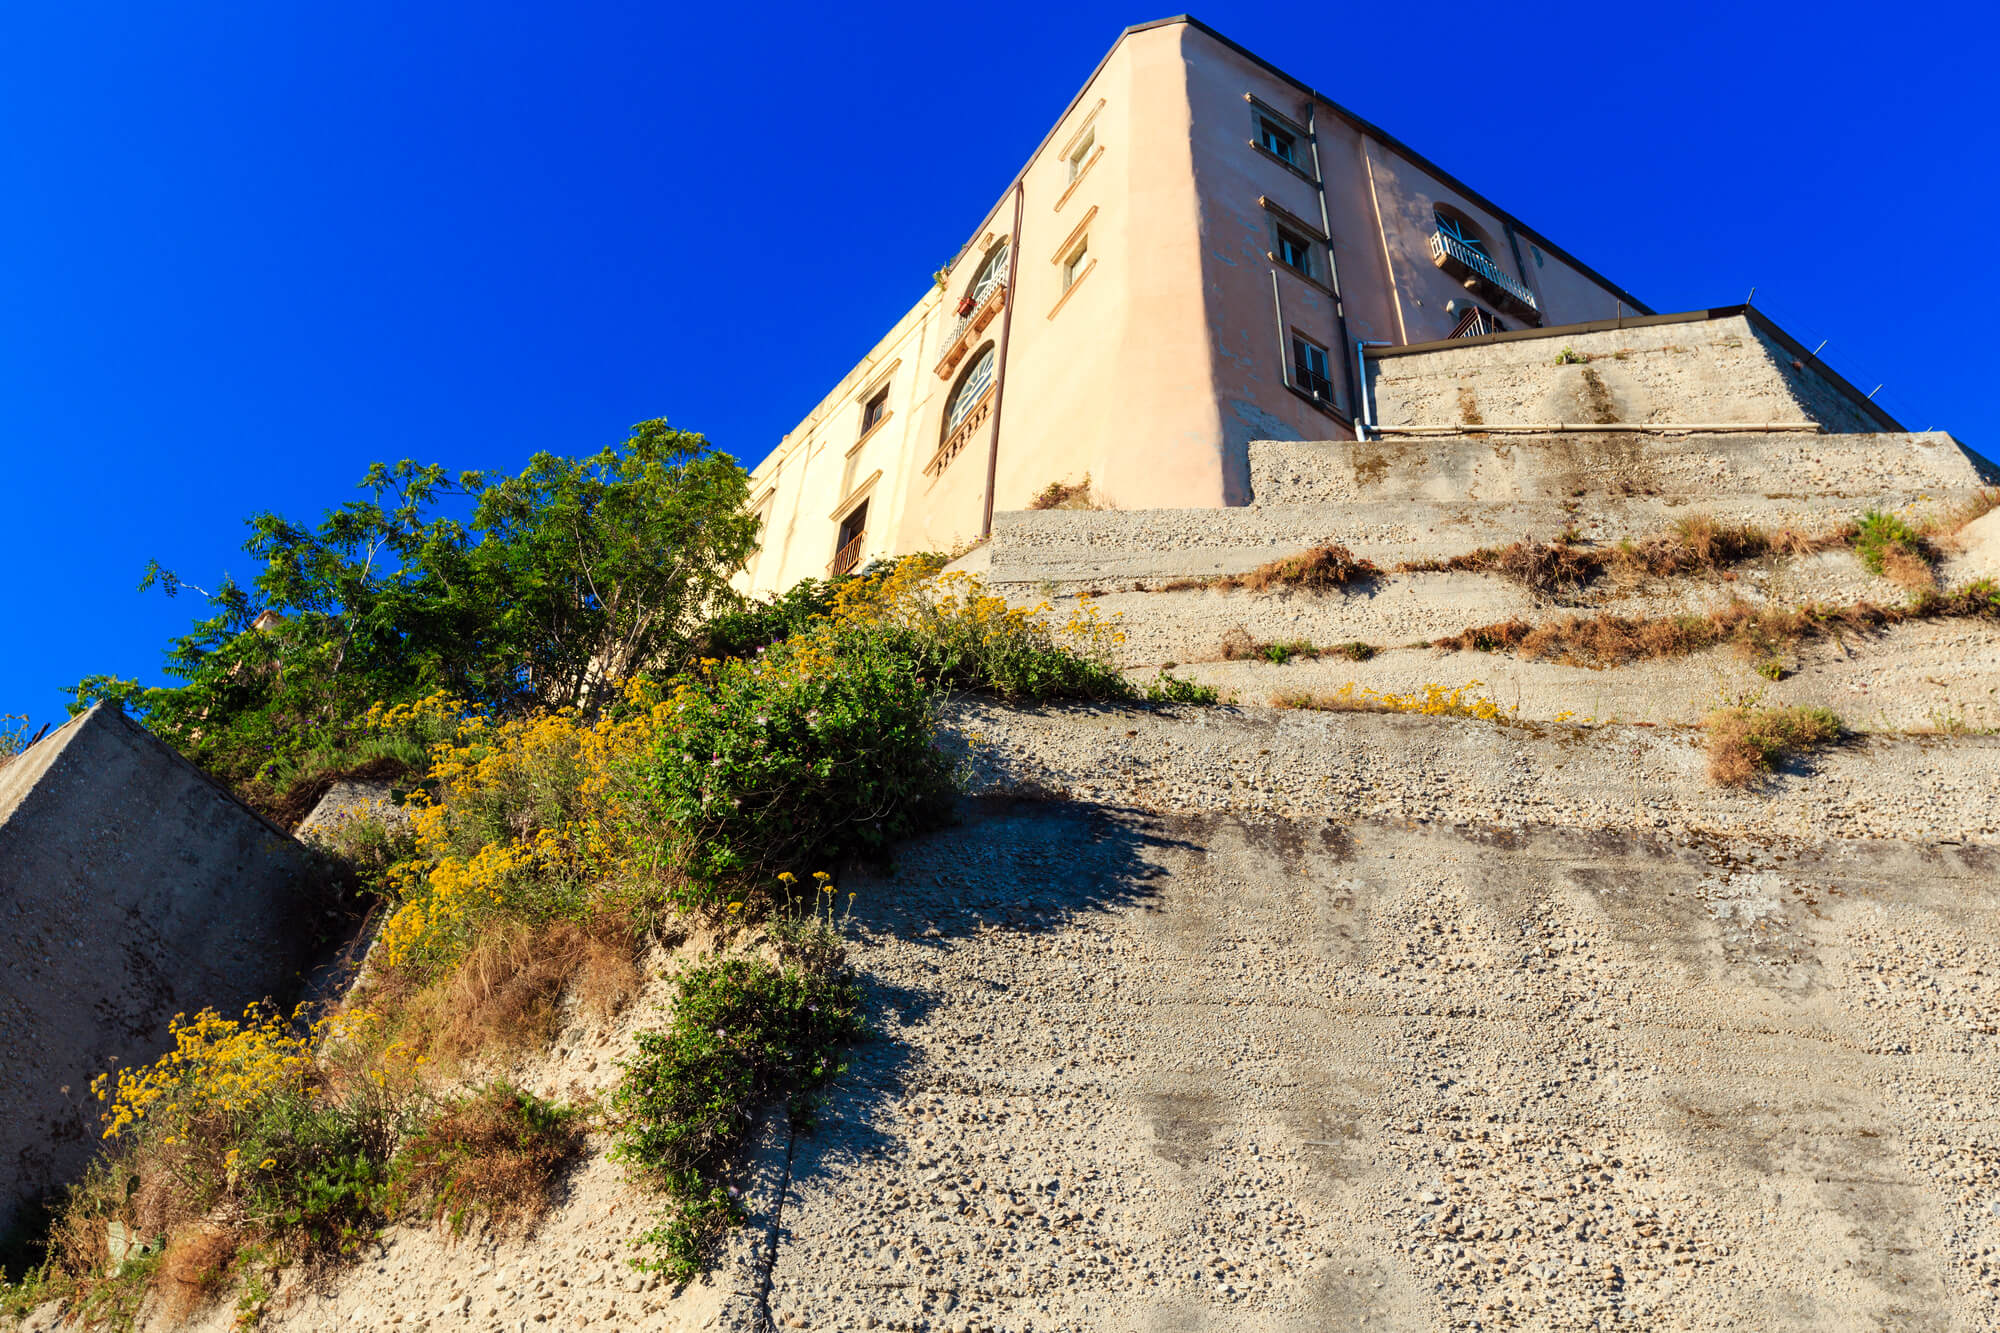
column 248, row 249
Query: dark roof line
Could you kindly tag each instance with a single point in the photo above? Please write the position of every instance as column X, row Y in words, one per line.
column 1395, row 145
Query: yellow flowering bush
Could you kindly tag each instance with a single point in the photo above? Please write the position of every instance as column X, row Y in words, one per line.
column 526, row 818
column 217, row 1066
column 1431, row 701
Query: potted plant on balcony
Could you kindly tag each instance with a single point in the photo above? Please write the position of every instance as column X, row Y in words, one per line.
column 966, row 304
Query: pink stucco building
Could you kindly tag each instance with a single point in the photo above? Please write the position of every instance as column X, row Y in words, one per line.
column 1186, row 263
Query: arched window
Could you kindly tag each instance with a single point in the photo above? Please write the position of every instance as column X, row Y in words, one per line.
column 991, row 272
column 1452, row 223
column 972, row 386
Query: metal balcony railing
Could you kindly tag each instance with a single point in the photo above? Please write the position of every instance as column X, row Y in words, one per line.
column 1312, row 382
column 1448, row 250
column 847, row 556
column 978, row 297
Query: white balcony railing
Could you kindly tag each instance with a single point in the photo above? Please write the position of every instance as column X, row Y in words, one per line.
column 977, row 297
column 1449, row 248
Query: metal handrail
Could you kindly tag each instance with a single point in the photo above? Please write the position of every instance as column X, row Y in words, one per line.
column 1443, row 245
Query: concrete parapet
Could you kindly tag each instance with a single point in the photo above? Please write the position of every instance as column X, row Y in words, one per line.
column 1696, row 367
column 132, row 888
column 1563, row 466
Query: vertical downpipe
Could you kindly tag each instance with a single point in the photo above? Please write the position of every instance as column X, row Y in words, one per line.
column 1006, row 340
column 1332, row 264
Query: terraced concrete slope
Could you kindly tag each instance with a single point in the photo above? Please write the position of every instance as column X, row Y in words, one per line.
column 1416, row 507
column 1236, row 1019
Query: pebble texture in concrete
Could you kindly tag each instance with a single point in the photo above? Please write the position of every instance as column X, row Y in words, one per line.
column 131, row 888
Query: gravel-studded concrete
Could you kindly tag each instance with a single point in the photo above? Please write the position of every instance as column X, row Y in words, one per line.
column 1559, row 467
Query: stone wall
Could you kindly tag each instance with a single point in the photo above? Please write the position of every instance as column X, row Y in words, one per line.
column 1685, row 371
column 132, row 888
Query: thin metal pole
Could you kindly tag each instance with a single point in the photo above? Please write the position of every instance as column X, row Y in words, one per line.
column 1000, row 369
column 1278, row 311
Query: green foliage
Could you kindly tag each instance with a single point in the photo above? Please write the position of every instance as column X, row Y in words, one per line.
column 1571, row 357
column 747, row 630
column 314, row 1174
column 743, row 1032
column 1745, row 741
column 819, row 750
column 562, row 580
column 1878, row 538
column 1167, row 688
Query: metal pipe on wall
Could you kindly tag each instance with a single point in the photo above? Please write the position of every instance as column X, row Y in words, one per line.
column 1332, row 264
column 1000, row 368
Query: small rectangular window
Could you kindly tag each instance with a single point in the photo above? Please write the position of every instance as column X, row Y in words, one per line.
column 1081, row 157
column 1309, row 368
column 1295, row 252
column 877, row 408
column 1277, row 141
column 1078, row 260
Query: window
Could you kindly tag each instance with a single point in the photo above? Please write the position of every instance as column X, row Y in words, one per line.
column 972, row 387
column 991, row 273
column 847, row 546
column 876, row 408
column 1078, row 260
column 1294, row 251
column 1309, row 368
column 1277, row 141
column 1079, row 159
column 1458, row 229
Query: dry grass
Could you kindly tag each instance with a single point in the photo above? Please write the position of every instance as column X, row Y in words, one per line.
column 497, row 1151
column 1698, row 544
column 196, row 1267
column 1759, row 633
column 1319, row 570
column 1612, row 640
column 504, row 996
column 1744, row 744
column 1066, row 495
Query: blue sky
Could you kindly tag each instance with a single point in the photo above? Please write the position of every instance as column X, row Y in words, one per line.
column 251, row 248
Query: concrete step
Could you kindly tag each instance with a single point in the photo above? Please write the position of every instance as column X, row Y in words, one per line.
column 1084, row 548
column 1923, row 676
column 1190, row 624
column 1499, row 467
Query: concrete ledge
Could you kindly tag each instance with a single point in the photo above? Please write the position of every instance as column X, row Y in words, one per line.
column 1467, row 466
column 1083, row 546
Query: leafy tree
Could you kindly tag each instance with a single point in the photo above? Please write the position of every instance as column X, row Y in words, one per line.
column 560, row 582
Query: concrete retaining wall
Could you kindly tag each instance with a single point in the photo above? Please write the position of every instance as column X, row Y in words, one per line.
column 1697, row 370
column 132, row 888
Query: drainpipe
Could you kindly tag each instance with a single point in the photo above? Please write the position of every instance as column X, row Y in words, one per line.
column 1364, row 415
column 1006, row 340
column 1332, row 264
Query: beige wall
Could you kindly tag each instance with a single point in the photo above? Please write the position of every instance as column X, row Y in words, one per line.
column 1169, row 355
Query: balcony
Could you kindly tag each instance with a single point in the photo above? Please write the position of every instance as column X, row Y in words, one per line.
column 987, row 300
column 1480, row 274
column 847, row 557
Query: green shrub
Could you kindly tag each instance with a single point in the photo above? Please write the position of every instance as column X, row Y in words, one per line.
column 1171, row 689
column 1879, row 539
column 819, row 750
column 315, row 1173
column 744, row 1031
column 746, row 631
